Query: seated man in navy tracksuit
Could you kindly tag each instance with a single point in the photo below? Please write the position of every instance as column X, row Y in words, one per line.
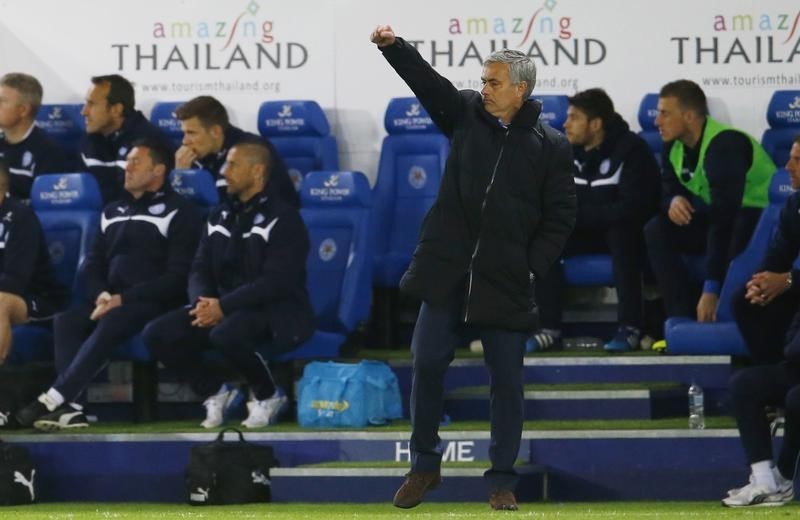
column 26, row 148
column 208, row 135
column 247, row 289
column 617, row 185
column 112, row 126
column 28, row 287
column 136, row 270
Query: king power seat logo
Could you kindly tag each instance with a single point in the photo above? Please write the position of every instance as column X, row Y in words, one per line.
column 245, row 41
column 743, row 38
column 546, row 35
column 284, row 121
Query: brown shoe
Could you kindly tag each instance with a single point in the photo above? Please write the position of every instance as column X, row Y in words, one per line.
column 503, row 500
column 414, row 488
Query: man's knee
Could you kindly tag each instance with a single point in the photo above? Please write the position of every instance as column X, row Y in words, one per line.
column 13, row 307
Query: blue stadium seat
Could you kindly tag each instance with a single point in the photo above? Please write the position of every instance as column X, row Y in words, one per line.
column 68, row 207
column 301, row 134
column 163, row 116
column 783, row 116
column 65, row 124
column 686, row 336
column 196, row 185
column 554, row 110
column 588, row 270
column 336, row 210
column 648, row 110
column 410, row 169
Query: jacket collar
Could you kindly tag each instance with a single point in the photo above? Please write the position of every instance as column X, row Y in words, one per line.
column 526, row 117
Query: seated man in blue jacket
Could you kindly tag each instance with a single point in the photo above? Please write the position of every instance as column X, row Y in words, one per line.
column 136, row 270
column 764, row 308
column 25, row 147
column 617, row 185
column 208, row 135
column 112, row 126
column 28, row 287
column 247, row 289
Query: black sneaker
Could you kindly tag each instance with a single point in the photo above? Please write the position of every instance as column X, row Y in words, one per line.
column 30, row 413
column 64, row 417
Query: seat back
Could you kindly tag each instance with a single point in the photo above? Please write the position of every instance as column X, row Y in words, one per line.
column 336, row 211
column 196, row 185
column 554, row 110
column 68, row 206
column 300, row 132
column 412, row 161
column 163, row 116
column 748, row 261
column 64, row 123
column 648, row 110
column 783, row 116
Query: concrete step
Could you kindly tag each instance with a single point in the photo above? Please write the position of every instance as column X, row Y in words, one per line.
column 607, row 401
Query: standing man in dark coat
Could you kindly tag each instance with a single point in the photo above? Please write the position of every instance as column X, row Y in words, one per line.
column 505, row 208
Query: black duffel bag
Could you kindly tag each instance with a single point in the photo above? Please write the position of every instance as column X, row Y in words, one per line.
column 17, row 475
column 229, row 472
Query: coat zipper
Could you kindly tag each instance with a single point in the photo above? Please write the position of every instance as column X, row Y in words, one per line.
column 478, row 241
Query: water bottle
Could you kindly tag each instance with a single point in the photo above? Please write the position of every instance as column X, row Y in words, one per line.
column 697, row 417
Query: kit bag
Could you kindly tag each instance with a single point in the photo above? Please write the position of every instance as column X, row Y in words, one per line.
column 17, row 475
column 229, row 472
column 348, row 395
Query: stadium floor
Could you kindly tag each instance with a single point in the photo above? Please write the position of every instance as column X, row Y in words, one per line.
column 560, row 511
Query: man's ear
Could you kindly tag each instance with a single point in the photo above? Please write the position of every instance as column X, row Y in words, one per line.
column 595, row 124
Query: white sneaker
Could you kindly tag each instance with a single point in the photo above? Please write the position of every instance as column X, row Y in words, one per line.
column 760, row 496
column 266, row 412
column 219, row 404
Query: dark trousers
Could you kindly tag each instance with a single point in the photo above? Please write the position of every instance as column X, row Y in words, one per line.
column 764, row 328
column 179, row 346
column 772, row 385
column 433, row 346
column 83, row 347
column 625, row 244
column 667, row 242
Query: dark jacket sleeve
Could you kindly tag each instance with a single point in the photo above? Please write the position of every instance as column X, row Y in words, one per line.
column 638, row 192
column 439, row 97
column 559, row 207
column 785, row 243
column 282, row 272
column 728, row 157
column 21, row 251
column 201, row 275
column 96, row 268
column 183, row 233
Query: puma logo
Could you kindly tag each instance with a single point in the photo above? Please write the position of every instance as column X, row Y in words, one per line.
column 20, row 479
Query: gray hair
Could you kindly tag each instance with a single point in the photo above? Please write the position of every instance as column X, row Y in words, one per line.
column 29, row 88
column 520, row 67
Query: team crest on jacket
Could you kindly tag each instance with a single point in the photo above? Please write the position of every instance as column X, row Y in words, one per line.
column 27, row 158
column 157, row 209
column 258, row 219
column 123, row 151
column 417, row 177
column 327, row 250
column 605, row 166
column 2, row 230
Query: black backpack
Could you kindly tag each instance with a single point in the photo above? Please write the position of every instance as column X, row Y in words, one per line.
column 235, row 472
column 17, row 475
